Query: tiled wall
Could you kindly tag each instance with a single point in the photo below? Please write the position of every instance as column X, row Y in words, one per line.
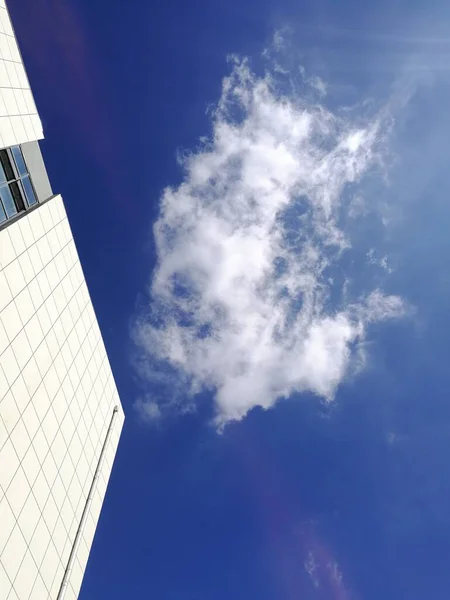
column 19, row 121
column 57, row 396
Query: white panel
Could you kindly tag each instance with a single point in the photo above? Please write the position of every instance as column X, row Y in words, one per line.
column 44, row 319
column 13, row 595
column 24, row 581
column 17, row 492
column 26, row 231
column 59, row 298
column 39, row 542
column 4, row 79
column 31, row 420
column 31, row 264
column 29, row 517
column 58, row 450
column 19, row 129
column 27, row 122
column 83, row 472
column 47, row 219
column 8, row 521
column 49, row 469
column 77, row 575
column 10, row 102
column 54, row 589
column 52, row 343
column 49, row 565
column 43, row 246
column 20, row 440
column 55, row 415
column 6, row 23
column 13, row 553
column 3, row 435
column 43, row 358
column 9, row 464
column 5, row 292
column 37, row 126
column 41, row 490
column 16, row 237
column 27, row 268
column 12, row 75
column 60, row 367
column 34, row 332
column 31, row 376
column 7, row 253
column 21, row 348
column 60, row 537
column 31, row 107
column 11, row 319
column 7, row 131
column 20, row 392
column 39, row 591
column 10, row 412
column 51, row 382
column 31, row 466
column 34, row 219
column 18, row 95
column 59, row 406
column 5, row 583
column 41, row 402
column 15, row 54
column 50, row 513
column 24, row 304
column 58, row 489
column 67, row 514
column 4, row 386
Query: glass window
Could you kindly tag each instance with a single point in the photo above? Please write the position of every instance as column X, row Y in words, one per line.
column 18, row 158
column 7, row 166
column 16, row 189
column 2, row 214
column 7, row 201
column 29, row 192
column 17, row 194
column 2, row 174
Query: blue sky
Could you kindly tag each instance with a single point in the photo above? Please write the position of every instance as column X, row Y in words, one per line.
column 326, row 284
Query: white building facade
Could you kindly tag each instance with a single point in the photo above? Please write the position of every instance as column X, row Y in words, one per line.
column 60, row 413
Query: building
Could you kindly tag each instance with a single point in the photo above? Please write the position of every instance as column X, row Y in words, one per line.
column 60, row 414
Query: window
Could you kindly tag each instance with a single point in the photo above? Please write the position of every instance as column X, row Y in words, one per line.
column 16, row 190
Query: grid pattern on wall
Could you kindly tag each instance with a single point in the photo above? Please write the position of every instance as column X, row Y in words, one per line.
column 57, row 395
column 19, row 120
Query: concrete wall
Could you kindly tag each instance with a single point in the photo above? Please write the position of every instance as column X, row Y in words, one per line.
column 36, row 168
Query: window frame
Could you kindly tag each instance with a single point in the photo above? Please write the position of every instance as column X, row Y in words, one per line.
column 15, row 184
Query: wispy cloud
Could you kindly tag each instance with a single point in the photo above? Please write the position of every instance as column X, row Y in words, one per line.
column 382, row 263
column 243, row 301
column 324, row 572
column 147, row 408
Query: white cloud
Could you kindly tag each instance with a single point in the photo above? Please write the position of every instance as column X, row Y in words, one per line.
column 383, row 262
column 148, row 409
column 311, row 568
column 240, row 298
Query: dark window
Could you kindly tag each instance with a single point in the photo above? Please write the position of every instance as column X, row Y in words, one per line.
column 7, row 165
column 17, row 195
column 16, row 190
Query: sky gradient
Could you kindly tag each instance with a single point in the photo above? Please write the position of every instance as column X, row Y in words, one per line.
column 299, row 263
